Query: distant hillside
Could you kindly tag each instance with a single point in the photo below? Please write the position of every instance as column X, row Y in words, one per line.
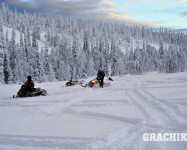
column 183, row 30
column 57, row 48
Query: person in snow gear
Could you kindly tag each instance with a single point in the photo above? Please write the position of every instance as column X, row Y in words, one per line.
column 29, row 84
column 100, row 77
column 28, row 90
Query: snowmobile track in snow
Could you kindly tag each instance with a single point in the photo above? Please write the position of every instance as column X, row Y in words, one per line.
column 113, row 118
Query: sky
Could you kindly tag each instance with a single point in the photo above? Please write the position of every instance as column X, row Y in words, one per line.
column 155, row 13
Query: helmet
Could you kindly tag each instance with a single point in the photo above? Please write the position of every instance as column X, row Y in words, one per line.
column 29, row 78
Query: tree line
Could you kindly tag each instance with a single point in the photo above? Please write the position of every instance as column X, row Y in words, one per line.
column 77, row 47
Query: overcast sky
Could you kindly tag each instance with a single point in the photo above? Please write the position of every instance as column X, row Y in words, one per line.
column 166, row 13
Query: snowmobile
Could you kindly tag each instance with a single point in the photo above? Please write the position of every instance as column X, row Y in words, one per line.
column 95, row 83
column 35, row 92
column 72, row 83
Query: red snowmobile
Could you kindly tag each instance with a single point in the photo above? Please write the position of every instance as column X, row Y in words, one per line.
column 95, row 83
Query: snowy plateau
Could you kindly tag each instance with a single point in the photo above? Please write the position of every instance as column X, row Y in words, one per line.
column 112, row 118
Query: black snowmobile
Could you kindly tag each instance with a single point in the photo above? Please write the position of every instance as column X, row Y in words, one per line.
column 72, row 83
column 34, row 92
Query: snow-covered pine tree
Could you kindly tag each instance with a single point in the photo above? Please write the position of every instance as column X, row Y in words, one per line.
column 8, row 77
column 114, row 59
column 61, row 71
column 181, row 55
column 19, row 67
column 39, row 73
column 13, row 55
column 89, row 66
column 1, row 52
column 45, row 58
column 161, row 58
column 106, row 58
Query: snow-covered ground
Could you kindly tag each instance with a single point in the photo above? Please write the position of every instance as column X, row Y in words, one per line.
column 112, row 118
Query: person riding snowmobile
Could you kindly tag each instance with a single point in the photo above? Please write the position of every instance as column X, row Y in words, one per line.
column 100, row 77
column 29, row 84
column 28, row 90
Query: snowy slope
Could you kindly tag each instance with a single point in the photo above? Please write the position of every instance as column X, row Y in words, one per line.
column 41, row 43
column 9, row 32
column 113, row 118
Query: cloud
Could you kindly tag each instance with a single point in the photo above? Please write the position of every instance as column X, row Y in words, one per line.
column 160, row 11
column 124, row 17
column 138, row 3
column 132, row 4
column 183, row 14
column 90, row 8
column 65, row 7
column 184, row 7
column 181, row 1
column 110, row 4
column 170, row 10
